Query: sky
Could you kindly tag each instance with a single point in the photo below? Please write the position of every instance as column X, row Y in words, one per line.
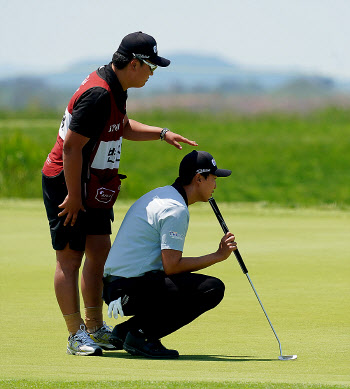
column 307, row 35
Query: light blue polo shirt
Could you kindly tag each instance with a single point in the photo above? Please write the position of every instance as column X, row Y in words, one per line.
column 157, row 221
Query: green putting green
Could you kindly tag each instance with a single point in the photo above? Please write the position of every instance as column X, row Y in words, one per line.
column 297, row 259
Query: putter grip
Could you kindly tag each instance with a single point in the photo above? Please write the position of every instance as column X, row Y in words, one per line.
column 224, row 227
column 240, row 261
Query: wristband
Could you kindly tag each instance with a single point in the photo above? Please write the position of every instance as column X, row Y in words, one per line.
column 163, row 132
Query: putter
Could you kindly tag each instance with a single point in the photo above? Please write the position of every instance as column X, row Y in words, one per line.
column 245, row 271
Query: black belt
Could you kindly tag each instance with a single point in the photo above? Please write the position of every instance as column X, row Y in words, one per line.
column 110, row 278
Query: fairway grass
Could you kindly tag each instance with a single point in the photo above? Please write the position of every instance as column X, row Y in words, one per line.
column 297, row 259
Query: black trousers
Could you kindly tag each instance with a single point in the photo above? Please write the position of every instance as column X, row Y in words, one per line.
column 161, row 304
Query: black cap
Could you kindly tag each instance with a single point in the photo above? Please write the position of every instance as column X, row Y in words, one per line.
column 200, row 162
column 142, row 45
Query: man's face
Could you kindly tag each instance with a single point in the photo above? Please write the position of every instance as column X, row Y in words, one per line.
column 207, row 186
column 142, row 73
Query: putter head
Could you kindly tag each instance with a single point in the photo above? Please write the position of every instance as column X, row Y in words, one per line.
column 287, row 357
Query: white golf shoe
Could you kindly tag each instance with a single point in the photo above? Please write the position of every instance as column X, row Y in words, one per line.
column 82, row 344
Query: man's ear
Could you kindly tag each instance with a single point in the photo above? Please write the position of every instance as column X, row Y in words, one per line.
column 133, row 63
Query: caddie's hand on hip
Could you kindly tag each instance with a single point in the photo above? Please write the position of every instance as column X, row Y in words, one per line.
column 115, row 308
column 227, row 245
column 71, row 207
column 174, row 139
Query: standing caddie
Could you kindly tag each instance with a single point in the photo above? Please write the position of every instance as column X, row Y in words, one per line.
column 81, row 182
column 146, row 275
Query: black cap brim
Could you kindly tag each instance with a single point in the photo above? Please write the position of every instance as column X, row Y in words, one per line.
column 160, row 61
column 222, row 172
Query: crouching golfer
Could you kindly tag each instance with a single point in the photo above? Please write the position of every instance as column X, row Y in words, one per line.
column 147, row 277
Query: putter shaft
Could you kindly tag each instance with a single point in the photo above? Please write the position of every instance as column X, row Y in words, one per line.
column 239, row 258
column 257, row 296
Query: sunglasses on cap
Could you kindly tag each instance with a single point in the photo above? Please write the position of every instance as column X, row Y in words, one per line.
column 152, row 66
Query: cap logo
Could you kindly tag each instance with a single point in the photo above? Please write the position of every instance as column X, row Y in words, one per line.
column 155, row 49
column 213, row 162
column 140, row 56
column 202, row 171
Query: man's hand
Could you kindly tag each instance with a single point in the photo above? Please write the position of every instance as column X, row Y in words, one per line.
column 71, row 207
column 115, row 308
column 173, row 139
column 227, row 245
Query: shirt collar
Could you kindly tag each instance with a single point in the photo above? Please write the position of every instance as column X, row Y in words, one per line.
column 120, row 96
column 180, row 189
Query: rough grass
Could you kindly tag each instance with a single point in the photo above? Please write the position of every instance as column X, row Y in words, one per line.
column 291, row 160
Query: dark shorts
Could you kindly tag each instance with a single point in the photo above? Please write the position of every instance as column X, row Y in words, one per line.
column 92, row 222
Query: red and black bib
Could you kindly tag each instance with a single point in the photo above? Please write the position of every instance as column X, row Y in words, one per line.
column 103, row 182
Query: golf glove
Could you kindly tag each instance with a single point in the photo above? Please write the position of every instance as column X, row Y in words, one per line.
column 115, row 308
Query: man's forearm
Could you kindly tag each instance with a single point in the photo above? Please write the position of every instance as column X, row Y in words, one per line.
column 72, row 165
column 174, row 263
column 141, row 132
